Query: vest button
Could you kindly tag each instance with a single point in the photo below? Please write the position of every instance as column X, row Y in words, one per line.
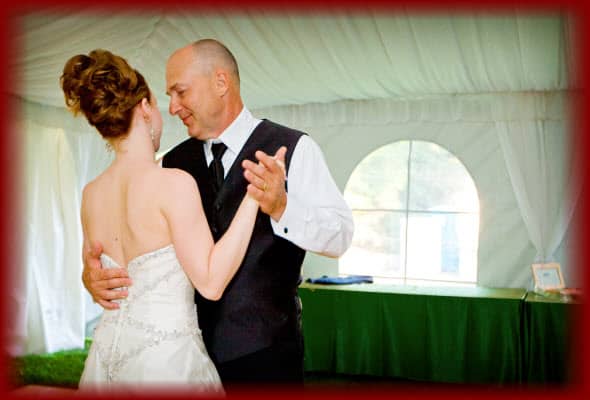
column 217, row 207
column 214, row 230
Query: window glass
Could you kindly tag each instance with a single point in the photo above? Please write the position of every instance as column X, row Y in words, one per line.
column 380, row 181
column 378, row 245
column 439, row 181
column 416, row 215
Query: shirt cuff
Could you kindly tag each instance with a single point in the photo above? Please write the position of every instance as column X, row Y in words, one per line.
column 292, row 222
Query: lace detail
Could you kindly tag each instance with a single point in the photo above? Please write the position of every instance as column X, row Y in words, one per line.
column 142, row 259
column 154, row 335
column 142, row 289
column 108, row 262
column 113, row 362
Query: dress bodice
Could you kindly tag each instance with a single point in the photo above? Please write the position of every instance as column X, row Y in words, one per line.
column 158, row 279
column 154, row 336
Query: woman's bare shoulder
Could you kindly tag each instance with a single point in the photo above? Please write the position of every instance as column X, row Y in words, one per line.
column 96, row 185
column 176, row 184
column 175, row 176
column 93, row 194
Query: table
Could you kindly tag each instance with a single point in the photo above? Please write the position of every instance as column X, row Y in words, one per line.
column 468, row 335
column 547, row 340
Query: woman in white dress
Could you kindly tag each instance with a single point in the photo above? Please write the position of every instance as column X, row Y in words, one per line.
column 149, row 219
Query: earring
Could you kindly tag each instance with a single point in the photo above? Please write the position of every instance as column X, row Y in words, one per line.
column 147, row 121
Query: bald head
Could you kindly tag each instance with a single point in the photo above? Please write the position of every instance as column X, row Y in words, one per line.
column 203, row 83
column 212, row 54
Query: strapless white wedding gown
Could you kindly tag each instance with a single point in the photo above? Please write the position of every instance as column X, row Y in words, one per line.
column 153, row 340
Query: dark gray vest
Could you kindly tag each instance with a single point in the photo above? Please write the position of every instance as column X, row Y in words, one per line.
column 260, row 305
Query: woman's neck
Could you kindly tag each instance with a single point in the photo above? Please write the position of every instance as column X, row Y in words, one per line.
column 136, row 147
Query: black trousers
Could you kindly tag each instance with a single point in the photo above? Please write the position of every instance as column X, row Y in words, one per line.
column 279, row 364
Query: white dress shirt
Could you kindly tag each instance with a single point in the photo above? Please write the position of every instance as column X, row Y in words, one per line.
column 316, row 218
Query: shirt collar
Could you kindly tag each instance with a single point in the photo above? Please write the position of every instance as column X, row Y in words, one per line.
column 236, row 134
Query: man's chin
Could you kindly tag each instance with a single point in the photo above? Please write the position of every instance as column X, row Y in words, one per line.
column 195, row 134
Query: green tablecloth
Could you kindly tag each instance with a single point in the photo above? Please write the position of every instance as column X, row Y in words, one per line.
column 547, row 341
column 471, row 335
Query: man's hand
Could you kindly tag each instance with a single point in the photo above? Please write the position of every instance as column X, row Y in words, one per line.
column 101, row 282
column 267, row 182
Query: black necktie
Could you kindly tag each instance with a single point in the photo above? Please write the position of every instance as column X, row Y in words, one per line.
column 216, row 166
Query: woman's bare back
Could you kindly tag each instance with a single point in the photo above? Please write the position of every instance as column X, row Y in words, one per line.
column 121, row 209
column 135, row 209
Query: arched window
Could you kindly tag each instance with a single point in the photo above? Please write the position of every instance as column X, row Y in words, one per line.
column 416, row 215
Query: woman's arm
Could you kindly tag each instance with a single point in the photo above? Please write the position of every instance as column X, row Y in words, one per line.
column 209, row 266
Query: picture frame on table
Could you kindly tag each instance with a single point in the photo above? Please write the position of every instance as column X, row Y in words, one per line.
column 548, row 277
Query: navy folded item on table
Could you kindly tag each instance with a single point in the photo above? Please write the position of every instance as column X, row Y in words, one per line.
column 341, row 280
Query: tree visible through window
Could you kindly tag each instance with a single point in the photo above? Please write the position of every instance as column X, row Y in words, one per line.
column 416, row 215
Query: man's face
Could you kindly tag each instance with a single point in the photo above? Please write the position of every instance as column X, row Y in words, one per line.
column 192, row 94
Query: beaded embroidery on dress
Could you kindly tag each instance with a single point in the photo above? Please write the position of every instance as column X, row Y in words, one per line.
column 154, row 336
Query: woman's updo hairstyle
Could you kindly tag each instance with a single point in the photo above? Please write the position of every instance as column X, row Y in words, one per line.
column 105, row 88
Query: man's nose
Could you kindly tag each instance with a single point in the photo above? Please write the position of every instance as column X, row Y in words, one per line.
column 173, row 107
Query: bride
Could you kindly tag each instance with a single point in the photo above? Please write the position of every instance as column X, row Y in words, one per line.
column 150, row 220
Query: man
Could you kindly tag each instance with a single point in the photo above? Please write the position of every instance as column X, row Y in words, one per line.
column 253, row 333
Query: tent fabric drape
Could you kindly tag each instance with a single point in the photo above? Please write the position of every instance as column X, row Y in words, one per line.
column 54, row 307
column 536, row 157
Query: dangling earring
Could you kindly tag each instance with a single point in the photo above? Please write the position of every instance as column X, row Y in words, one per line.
column 147, row 121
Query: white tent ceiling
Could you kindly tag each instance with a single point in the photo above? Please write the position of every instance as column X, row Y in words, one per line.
column 289, row 58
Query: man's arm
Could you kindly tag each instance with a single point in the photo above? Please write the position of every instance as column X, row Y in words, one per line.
column 313, row 214
column 101, row 282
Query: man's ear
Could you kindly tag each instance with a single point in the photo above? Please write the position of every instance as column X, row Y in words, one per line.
column 221, row 82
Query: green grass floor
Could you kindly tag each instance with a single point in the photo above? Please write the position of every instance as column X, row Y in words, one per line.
column 64, row 368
